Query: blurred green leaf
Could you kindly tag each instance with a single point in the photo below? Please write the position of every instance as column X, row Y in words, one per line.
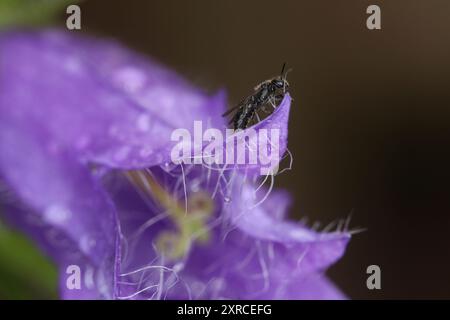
column 24, row 271
column 30, row 12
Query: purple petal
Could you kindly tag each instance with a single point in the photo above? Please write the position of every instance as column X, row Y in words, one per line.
column 68, row 102
column 301, row 247
column 276, row 126
column 313, row 287
column 64, row 199
column 255, row 150
column 109, row 105
column 254, row 256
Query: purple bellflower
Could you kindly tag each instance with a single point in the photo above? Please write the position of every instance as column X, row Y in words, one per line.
column 86, row 171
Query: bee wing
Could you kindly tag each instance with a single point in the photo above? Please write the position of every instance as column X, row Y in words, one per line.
column 232, row 119
column 231, row 110
column 238, row 106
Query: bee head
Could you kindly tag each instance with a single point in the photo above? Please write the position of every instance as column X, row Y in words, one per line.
column 280, row 83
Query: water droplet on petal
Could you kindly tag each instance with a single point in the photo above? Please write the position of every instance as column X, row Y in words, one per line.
column 143, row 122
column 57, row 214
column 72, row 65
column 87, row 243
column 168, row 166
column 122, row 154
column 145, row 152
column 89, row 277
column 130, row 79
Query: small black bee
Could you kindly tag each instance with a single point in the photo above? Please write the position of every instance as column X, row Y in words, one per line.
column 270, row 91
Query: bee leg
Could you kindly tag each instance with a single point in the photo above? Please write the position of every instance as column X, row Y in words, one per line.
column 281, row 96
column 277, row 99
column 272, row 103
column 257, row 116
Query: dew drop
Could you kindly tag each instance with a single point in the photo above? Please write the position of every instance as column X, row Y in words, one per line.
column 143, row 122
column 130, row 79
column 168, row 166
column 57, row 214
column 122, row 154
column 89, row 277
column 87, row 243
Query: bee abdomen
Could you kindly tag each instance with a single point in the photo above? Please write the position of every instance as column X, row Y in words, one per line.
column 243, row 119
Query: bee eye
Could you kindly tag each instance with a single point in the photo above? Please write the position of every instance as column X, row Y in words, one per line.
column 279, row 83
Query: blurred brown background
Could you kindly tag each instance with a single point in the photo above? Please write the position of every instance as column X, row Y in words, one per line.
column 369, row 128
